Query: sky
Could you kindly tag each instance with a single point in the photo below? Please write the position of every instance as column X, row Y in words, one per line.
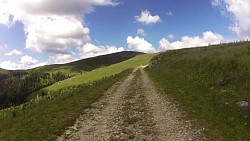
column 41, row 32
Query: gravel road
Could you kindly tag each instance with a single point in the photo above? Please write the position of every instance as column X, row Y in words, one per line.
column 134, row 110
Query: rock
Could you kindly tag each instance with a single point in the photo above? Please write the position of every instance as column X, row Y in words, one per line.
column 155, row 61
column 223, row 91
column 242, row 104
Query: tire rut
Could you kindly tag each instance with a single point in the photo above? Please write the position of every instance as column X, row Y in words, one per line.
column 96, row 122
column 169, row 118
column 133, row 120
column 134, row 110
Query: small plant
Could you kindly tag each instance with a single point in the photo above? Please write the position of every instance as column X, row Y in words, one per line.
column 13, row 114
column 248, row 48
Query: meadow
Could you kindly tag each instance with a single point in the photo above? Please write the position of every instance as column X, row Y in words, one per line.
column 208, row 82
column 46, row 116
column 96, row 74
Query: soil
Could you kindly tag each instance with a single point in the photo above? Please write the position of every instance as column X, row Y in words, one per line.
column 134, row 110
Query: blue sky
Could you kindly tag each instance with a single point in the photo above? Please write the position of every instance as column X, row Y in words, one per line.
column 40, row 32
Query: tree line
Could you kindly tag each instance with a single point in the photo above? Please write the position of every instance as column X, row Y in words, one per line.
column 15, row 87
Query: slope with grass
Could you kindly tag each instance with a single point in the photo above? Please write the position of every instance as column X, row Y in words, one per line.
column 17, row 85
column 133, row 110
column 96, row 74
column 89, row 63
column 208, row 83
column 3, row 71
column 46, row 117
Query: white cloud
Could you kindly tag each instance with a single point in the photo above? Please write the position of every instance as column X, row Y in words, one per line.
column 140, row 31
column 13, row 52
column 56, row 34
column 36, row 65
column 240, row 11
column 90, row 50
column 26, row 62
column 50, row 27
column 9, row 65
column 147, row 18
column 140, row 44
column 62, row 58
column 4, row 19
column 196, row 41
column 170, row 36
column 3, row 47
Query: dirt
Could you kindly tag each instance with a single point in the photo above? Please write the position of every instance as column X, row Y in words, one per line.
column 134, row 109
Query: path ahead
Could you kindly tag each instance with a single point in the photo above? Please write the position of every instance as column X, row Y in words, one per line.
column 133, row 109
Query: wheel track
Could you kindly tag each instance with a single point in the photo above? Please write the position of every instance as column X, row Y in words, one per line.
column 133, row 109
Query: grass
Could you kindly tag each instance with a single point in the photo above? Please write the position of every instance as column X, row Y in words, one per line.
column 88, row 64
column 47, row 117
column 98, row 73
column 3, row 71
column 208, row 82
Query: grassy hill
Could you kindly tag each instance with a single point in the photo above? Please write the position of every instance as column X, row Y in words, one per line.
column 89, row 63
column 3, row 71
column 46, row 117
column 17, row 85
column 208, row 82
column 97, row 74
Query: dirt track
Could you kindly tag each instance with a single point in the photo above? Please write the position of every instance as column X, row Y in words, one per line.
column 133, row 109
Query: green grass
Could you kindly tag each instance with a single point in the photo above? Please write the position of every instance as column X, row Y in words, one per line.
column 3, row 71
column 98, row 73
column 208, row 82
column 47, row 117
column 88, row 64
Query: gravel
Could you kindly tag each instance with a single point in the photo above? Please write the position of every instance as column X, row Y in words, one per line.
column 134, row 109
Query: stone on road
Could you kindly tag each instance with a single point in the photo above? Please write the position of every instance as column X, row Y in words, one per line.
column 133, row 110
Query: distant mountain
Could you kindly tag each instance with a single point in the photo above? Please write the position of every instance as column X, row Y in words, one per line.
column 90, row 63
column 17, row 85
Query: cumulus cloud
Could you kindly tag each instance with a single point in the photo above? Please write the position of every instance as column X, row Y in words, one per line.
column 50, row 27
column 90, row 50
column 56, row 34
column 140, row 31
column 196, row 41
column 239, row 9
column 140, row 44
column 62, row 58
column 147, row 18
column 13, row 52
column 4, row 19
column 26, row 62
column 9, row 65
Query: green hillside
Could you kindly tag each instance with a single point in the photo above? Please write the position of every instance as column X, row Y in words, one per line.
column 3, row 71
column 209, row 82
column 89, row 63
column 47, row 116
column 17, row 85
column 98, row 73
